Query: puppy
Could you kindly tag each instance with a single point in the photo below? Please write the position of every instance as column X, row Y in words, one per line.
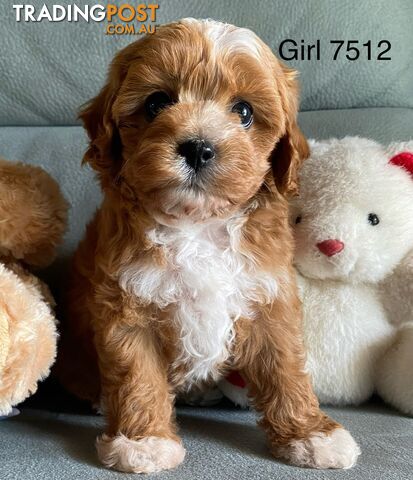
column 185, row 270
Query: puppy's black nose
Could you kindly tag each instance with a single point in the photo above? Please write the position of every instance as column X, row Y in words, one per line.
column 197, row 153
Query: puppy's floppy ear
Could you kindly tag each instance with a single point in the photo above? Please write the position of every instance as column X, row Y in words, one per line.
column 292, row 148
column 104, row 152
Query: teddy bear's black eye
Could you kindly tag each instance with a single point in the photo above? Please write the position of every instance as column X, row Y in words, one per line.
column 298, row 220
column 156, row 102
column 373, row 219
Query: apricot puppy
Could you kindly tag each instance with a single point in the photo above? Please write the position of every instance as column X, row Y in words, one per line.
column 186, row 269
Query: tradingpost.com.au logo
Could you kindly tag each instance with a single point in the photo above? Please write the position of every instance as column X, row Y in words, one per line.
column 125, row 19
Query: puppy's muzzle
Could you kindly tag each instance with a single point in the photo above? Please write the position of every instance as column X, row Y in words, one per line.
column 197, row 153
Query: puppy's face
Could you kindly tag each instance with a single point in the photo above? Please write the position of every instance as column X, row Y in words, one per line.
column 191, row 120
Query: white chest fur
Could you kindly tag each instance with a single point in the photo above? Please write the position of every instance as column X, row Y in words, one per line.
column 206, row 283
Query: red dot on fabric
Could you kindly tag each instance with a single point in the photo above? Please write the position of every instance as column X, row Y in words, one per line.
column 404, row 160
column 235, row 379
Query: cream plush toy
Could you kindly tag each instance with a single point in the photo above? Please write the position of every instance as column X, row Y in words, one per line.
column 32, row 222
column 353, row 225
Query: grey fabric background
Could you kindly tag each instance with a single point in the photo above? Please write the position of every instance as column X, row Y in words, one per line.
column 221, row 443
column 49, row 70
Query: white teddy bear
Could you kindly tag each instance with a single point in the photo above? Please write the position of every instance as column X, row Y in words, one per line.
column 353, row 226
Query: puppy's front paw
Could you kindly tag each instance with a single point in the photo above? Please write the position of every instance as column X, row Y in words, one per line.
column 150, row 454
column 335, row 450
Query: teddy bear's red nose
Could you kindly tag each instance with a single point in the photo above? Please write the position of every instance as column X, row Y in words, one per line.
column 330, row 247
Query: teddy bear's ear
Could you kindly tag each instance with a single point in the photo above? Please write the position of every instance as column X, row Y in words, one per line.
column 404, row 160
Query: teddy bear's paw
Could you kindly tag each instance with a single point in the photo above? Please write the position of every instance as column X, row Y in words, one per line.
column 150, row 454
column 335, row 450
column 394, row 380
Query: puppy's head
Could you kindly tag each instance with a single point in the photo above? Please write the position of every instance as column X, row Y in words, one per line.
column 191, row 120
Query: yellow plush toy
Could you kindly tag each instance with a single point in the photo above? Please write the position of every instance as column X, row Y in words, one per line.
column 32, row 222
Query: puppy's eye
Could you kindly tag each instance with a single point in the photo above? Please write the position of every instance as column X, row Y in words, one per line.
column 157, row 102
column 244, row 111
column 298, row 219
column 373, row 219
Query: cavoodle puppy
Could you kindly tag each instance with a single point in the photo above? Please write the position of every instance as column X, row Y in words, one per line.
column 186, row 269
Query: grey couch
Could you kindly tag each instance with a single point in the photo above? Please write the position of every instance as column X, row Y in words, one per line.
column 49, row 69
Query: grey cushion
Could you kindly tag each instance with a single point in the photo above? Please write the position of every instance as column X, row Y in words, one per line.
column 49, row 69
column 221, row 443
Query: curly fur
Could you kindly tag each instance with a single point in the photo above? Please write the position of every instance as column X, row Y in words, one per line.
column 178, row 276
column 31, row 336
column 207, row 305
column 32, row 222
column 33, row 214
column 148, row 455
